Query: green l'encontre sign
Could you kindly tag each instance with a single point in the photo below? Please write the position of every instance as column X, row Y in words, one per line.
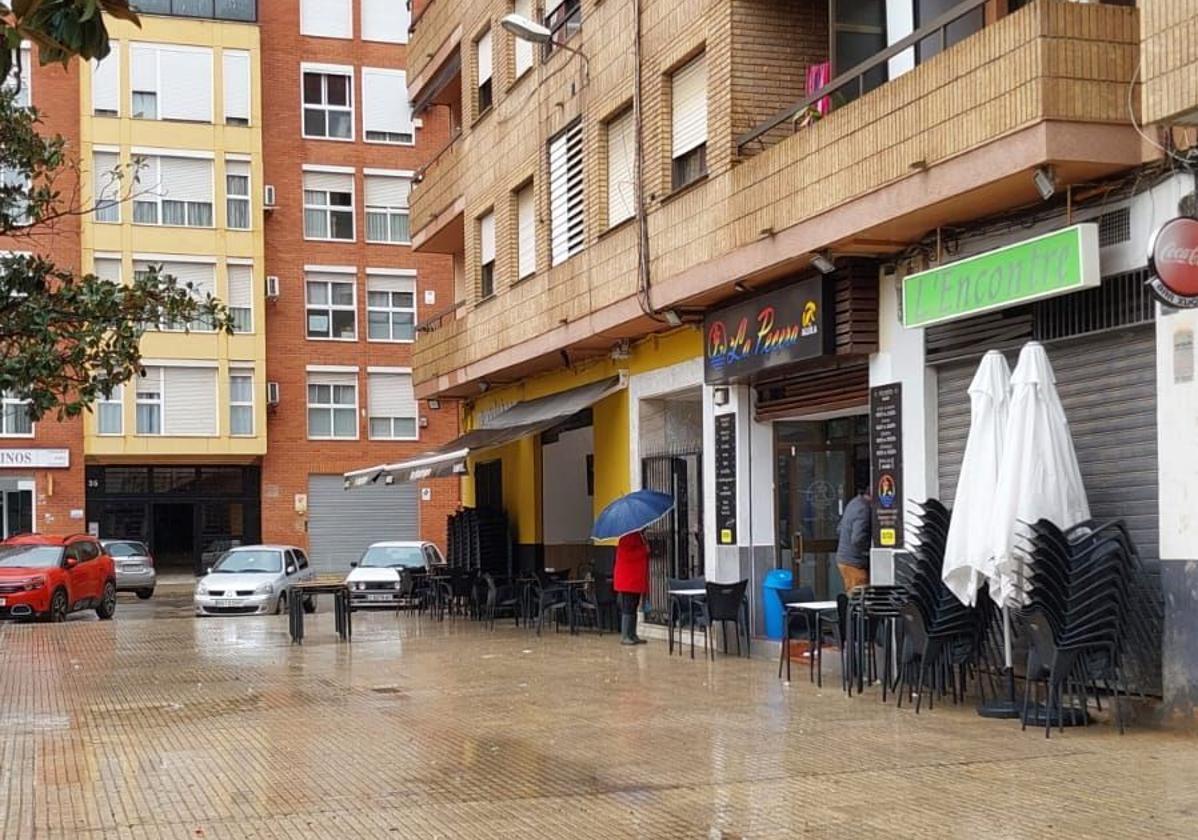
column 1053, row 264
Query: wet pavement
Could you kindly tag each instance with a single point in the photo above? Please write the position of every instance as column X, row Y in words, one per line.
column 160, row 725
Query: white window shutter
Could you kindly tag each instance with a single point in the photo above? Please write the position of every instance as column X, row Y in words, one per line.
column 387, row 191
column 107, row 268
column 526, row 234
column 385, row 104
column 484, row 57
column 391, row 395
column 237, row 84
column 689, row 106
column 621, row 191
column 186, row 84
column 105, row 184
column 386, row 20
column 330, row 181
column 327, row 18
column 202, row 276
column 186, row 179
column 241, row 286
column 189, row 400
column 523, row 48
column 566, row 200
column 143, row 67
column 390, row 283
column 486, row 237
column 106, row 81
column 237, row 167
column 550, row 5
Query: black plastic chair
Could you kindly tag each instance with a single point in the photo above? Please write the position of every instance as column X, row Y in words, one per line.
column 725, row 603
column 499, row 599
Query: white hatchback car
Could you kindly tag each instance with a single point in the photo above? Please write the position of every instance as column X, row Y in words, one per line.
column 375, row 579
column 253, row 579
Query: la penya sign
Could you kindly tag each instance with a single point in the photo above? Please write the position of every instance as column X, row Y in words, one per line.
column 1053, row 264
column 790, row 324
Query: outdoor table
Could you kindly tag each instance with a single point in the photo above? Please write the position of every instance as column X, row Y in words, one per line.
column 440, row 603
column 814, row 609
column 341, row 611
column 689, row 595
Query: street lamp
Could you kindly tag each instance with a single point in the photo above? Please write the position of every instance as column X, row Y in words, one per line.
column 530, row 30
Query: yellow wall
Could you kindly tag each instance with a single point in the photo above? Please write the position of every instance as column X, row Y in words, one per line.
column 522, row 459
column 124, row 134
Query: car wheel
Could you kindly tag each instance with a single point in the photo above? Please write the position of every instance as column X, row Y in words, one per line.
column 310, row 604
column 58, row 606
column 145, row 594
column 107, row 607
column 281, row 606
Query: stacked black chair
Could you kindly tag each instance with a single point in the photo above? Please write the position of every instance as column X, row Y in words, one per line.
column 479, row 541
column 1084, row 615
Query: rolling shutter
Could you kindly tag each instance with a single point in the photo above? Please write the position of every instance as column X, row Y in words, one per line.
column 241, row 286
column 484, row 58
column 387, row 191
column 105, row 184
column 391, row 395
column 106, row 82
column 523, row 48
column 329, row 181
column 143, row 67
column 390, row 283
column 187, row 179
column 385, row 20
column 527, row 231
column 107, row 268
column 621, row 193
column 385, row 105
column 186, row 92
column 189, row 397
column 342, row 525
column 566, row 194
column 200, row 275
column 689, row 105
column 237, row 84
column 327, row 18
column 486, row 238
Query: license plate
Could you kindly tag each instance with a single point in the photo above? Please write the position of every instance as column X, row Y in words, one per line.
column 131, row 567
column 378, row 598
column 227, row 602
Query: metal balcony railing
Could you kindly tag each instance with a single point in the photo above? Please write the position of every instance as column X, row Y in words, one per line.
column 245, row 11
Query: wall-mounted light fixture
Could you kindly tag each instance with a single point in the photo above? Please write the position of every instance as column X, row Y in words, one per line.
column 434, row 404
column 823, row 263
column 719, row 396
column 1045, row 180
column 672, row 317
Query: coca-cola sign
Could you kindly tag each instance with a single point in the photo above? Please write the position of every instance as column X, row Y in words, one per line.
column 1173, row 259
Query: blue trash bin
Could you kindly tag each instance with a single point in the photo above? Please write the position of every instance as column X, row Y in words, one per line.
column 774, row 610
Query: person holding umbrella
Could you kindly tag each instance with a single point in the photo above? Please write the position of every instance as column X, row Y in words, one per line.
column 625, row 519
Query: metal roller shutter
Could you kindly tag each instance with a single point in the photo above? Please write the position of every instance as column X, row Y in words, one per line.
column 343, row 523
column 1107, row 384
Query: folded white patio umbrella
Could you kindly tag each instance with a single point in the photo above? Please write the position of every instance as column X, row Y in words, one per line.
column 1038, row 475
column 969, row 555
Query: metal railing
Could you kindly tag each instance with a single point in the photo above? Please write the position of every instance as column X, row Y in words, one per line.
column 437, row 320
column 243, row 11
column 856, row 76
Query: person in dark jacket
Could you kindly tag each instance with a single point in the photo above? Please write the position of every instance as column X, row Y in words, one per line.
column 630, row 579
column 856, row 536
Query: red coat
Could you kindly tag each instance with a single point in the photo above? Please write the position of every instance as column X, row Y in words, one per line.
column 631, row 572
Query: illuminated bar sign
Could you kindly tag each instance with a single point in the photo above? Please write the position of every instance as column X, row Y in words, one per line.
column 791, row 324
column 1053, row 264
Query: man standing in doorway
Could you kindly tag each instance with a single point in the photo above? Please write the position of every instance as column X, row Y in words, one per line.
column 856, row 536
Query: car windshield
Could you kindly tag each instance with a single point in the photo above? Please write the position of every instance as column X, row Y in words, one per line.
column 251, row 561
column 125, row 549
column 393, row 556
column 30, row 556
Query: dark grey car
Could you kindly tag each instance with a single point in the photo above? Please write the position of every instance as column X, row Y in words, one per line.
column 134, row 566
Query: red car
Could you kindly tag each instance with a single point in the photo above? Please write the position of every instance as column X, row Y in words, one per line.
column 49, row 577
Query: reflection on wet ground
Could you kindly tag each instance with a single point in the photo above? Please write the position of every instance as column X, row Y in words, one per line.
column 160, row 725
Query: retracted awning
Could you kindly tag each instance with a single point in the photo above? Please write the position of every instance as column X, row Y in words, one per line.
column 520, row 420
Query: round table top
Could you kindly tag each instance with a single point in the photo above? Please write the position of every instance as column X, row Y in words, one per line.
column 818, row 606
column 688, row 592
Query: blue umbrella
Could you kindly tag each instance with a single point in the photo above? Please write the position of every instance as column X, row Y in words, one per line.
column 631, row 513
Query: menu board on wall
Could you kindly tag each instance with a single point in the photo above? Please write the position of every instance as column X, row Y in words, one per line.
column 886, row 454
column 725, row 479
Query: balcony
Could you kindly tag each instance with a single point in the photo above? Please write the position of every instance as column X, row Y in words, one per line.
column 242, row 11
column 436, row 30
column 437, row 204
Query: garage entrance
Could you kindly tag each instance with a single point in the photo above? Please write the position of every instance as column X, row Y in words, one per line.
column 342, row 524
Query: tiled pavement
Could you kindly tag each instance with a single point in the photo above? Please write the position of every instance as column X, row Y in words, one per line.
column 158, row 725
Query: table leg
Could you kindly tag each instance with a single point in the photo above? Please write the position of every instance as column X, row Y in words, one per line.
column 670, row 626
column 810, row 650
column 349, row 618
column 295, row 616
column 690, row 616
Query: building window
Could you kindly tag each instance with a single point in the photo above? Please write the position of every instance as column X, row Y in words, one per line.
column 237, row 86
column 331, row 306
column 392, row 407
column 486, row 256
column 482, row 55
column 386, row 115
column 171, row 82
column 523, row 49
column 20, row 79
column 390, row 307
column 329, row 104
column 198, row 278
column 110, row 412
column 237, row 194
column 178, row 401
column 327, row 18
column 332, row 406
column 242, row 10
column 241, row 403
column 526, row 232
column 106, row 186
column 106, row 83
column 241, row 297
column 149, row 402
column 621, row 179
column 387, row 209
column 15, row 420
column 566, row 200
column 173, row 191
column 329, row 206
column 562, row 18
column 386, row 20
column 689, row 122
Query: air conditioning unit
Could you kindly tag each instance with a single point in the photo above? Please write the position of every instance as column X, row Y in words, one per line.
column 269, row 197
column 272, row 286
column 272, row 393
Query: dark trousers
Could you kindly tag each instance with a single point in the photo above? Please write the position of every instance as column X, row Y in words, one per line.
column 629, row 602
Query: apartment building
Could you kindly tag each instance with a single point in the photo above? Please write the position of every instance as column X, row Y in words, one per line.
column 262, row 152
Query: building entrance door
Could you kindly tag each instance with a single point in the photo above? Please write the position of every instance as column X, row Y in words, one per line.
column 16, row 511
column 818, row 466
